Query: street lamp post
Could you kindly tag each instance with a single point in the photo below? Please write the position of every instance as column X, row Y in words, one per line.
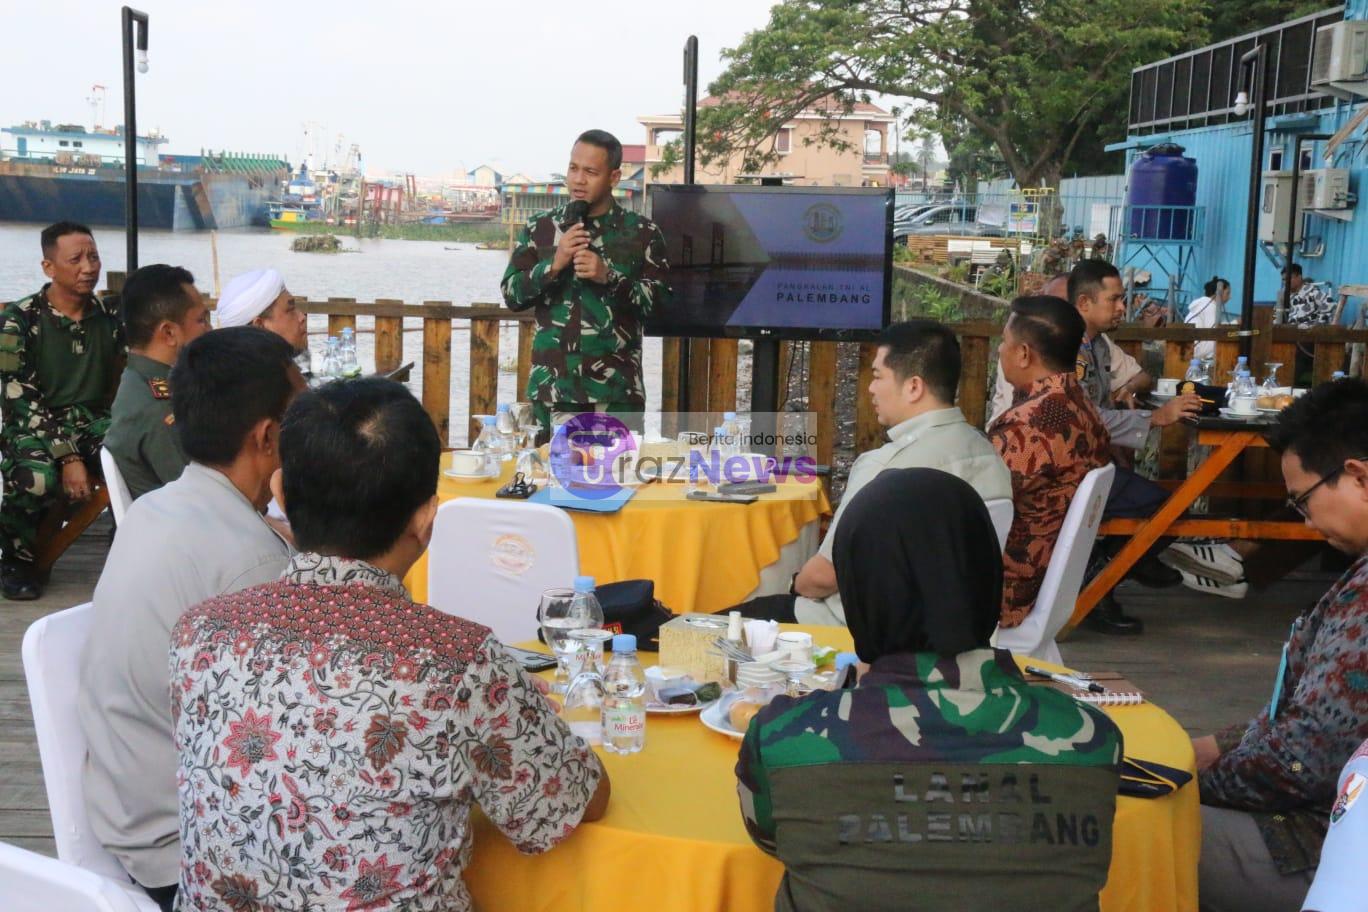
column 1252, row 62
column 131, row 16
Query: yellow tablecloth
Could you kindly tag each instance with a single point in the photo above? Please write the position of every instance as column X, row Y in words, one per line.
column 702, row 556
column 673, row 841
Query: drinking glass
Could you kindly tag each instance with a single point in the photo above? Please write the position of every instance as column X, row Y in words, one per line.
column 1270, row 384
column 795, row 669
column 560, row 614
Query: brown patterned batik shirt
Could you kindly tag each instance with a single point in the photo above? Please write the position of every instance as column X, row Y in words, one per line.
column 1050, row 438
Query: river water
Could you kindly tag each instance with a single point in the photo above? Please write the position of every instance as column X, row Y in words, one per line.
column 369, row 269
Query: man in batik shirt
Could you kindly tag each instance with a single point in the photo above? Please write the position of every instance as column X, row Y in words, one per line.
column 1050, row 438
column 591, row 271
column 334, row 735
column 1268, row 786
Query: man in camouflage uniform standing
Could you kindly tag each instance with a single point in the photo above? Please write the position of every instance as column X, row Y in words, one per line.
column 60, row 354
column 590, row 282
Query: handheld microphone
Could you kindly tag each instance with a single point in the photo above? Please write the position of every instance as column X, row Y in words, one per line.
column 577, row 212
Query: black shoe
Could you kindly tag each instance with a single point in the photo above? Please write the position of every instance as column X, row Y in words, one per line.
column 1107, row 618
column 1154, row 574
column 18, row 581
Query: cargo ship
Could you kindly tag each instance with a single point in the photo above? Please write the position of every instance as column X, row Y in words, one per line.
column 53, row 172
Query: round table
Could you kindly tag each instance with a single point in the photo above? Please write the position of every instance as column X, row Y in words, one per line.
column 702, row 556
column 673, row 841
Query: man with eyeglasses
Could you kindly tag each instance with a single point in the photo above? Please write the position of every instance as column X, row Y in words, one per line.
column 1268, row 786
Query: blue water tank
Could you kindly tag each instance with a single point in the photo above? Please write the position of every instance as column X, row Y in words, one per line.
column 1160, row 180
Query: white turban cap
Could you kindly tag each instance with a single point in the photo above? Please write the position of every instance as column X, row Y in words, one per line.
column 248, row 296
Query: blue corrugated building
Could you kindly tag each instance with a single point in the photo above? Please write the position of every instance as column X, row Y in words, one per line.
column 1190, row 100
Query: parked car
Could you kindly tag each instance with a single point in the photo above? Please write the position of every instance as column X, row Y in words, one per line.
column 948, row 218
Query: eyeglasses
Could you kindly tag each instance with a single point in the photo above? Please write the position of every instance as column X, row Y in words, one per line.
column 1299, row 503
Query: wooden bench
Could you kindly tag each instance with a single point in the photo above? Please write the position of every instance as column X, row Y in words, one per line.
column 65, row 523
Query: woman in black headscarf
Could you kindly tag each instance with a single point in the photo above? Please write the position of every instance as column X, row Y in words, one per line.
column 861, row 792
column 919, row 566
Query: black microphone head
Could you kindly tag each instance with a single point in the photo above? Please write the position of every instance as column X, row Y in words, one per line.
column 576, row 212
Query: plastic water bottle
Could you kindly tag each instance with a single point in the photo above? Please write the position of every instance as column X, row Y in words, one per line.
column 585, row 605
column 1241, row 364
column 486, row 443
column 332, row 365
column 720, row 443
column 1195, row 372
column 1244, row 386
column 624, row 699
column 350, row 367
column 732, row 426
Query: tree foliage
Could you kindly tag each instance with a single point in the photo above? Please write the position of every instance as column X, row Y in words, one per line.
column 1033, row 79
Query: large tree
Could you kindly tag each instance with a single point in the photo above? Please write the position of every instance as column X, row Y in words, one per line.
column 1032, row 78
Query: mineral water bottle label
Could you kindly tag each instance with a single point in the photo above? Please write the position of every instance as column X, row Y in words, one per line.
column 624, row 729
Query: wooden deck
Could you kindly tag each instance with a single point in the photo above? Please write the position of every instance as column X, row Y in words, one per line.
column 1208, row 661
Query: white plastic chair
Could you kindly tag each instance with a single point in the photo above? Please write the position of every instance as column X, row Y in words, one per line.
column 1001, row 511
column 490, row 561
column 1064, row 577
column 30, row 882
column 52, row 651
column 119, row 498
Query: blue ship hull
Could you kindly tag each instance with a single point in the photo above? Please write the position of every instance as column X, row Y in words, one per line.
column 43, row 193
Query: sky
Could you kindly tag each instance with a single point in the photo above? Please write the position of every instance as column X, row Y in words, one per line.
column 422, row 87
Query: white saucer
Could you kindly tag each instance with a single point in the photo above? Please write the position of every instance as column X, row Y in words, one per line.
column 714, row 718
column 1234, row 415
column 676, row 709
column 465, row 478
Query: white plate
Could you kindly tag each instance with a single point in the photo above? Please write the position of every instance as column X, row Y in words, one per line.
column 1231, row 413
column 470, row 479
column 676, row 709
column 1269, row 411
column 714, row 718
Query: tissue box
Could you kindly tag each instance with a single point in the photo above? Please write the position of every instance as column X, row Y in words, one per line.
column 686, row 643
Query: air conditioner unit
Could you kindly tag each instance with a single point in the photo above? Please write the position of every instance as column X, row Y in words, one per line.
column 1339, row 61
column 1327, row 188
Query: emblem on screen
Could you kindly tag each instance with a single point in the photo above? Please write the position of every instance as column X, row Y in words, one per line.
column 822, row 223
column 588, row 453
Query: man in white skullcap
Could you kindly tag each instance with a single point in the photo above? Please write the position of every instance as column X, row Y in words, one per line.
column 259, row 298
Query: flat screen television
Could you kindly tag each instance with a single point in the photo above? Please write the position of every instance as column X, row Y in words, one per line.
column 774, row 262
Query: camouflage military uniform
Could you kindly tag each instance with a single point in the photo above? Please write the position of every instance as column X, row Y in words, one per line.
column 142, row 435
column 587, row 349
column 936, row 784
column 58, row 377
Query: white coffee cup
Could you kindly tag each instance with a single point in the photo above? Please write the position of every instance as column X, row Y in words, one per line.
column 796, row 644
column 1166, row 386
column 467, row 462
column 1244, row 405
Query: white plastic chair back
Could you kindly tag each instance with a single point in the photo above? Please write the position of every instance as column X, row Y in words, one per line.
column 1064, row 577
column 52, row 651
column 490, row 561
column 1001, row 511
column 30, row 882
column 119, row 498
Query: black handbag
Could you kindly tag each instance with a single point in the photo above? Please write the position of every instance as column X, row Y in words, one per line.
column 630, row 606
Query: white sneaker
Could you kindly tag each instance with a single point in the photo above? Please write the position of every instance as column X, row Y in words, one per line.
column 1214, row 560
column 1236, row 590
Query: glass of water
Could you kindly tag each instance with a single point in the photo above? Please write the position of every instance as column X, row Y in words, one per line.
column 560, row 615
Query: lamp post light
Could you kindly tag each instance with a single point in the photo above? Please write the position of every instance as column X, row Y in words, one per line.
column 130, row 127
column 1252, row 63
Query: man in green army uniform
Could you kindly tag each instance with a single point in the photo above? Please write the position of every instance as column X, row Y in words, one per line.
column 591, row 271
column 60, row 353
column 162, row 312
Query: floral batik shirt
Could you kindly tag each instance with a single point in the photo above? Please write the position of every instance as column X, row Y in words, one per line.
column 1050, row 438
column 1283, row 764
column 333, row 736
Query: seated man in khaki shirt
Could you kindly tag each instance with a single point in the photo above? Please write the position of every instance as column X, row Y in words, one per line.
column 916, row 376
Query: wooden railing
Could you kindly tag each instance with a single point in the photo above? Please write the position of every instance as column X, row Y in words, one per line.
column 713, row 363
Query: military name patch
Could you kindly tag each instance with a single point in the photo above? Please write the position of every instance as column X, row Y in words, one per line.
column 160, row 388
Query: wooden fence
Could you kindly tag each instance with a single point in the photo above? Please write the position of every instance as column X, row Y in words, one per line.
column 713, row 363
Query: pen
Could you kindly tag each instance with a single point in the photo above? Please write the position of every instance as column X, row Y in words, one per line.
column 1070, row 680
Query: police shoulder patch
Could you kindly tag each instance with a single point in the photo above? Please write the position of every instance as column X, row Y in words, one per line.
column 160, row 388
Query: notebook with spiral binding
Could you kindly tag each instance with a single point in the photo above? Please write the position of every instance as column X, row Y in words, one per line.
column 1120, row 692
